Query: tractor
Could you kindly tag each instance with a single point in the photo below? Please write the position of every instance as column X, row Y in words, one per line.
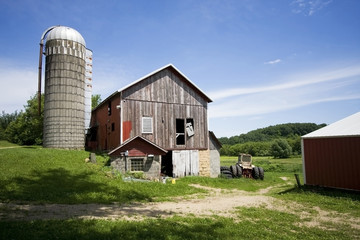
column 244, row 168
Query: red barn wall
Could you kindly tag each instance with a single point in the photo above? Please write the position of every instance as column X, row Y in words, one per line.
column 107, row 137
column 332, row 162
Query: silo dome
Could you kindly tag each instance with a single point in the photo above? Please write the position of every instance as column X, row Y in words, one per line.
column 65, row 33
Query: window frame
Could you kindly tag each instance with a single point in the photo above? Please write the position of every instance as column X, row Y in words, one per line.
column 143, row 119
column 138, row 162
column 180, row 132
column 109, row 108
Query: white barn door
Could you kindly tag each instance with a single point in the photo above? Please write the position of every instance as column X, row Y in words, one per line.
column 185, row 163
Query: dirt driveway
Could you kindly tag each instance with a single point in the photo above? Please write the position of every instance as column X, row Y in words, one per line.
column 217, row 202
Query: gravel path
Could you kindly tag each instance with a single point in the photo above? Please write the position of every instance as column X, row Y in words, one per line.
column 217, row 202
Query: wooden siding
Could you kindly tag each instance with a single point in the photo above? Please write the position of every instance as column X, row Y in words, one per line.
column 165, row 97
column 106, row 138
column 164, row 87
column 332, row 162
column 137, row 147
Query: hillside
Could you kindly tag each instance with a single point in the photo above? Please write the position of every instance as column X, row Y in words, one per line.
column 287, row 130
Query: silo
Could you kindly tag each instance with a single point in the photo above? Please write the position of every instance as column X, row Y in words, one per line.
column 64, row 106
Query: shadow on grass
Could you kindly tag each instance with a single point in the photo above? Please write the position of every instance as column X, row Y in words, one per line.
column 95, row 229
column 329, row 192
column 59, row 185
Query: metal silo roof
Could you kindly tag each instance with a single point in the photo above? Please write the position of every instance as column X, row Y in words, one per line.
column 62, row 32
column 349, row 126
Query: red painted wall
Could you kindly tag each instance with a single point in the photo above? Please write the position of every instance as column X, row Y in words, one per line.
column 107, row 137
column 332, row 162
column 138, row 148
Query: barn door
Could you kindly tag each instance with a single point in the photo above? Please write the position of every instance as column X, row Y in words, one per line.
column 185, row 163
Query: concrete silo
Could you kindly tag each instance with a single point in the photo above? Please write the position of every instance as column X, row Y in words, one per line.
column 64, row 106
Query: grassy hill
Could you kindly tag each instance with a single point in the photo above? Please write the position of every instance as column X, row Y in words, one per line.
column 287, row 130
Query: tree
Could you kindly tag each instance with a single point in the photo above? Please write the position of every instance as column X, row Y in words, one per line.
column 27, row 128
column 280, row 148
column 95, row 100
column 5, row 120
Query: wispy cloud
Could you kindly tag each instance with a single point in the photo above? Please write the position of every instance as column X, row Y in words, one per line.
column 273, row 62
column 293, row 82
column 308, row 7
column 301, row 90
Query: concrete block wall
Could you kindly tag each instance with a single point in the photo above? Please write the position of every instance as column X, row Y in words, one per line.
column 214, row 163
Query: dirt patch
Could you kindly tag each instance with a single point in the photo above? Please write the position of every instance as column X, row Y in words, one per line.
column 218, row 202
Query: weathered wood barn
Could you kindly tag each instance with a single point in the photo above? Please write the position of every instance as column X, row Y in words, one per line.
column 331, row 155
column 158, row 123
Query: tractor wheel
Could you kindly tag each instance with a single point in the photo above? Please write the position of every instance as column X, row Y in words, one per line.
column 239, row 171
column 261, row 173
column 233, row 170
column 255, row 173
column 226, row 174
column 224, row 168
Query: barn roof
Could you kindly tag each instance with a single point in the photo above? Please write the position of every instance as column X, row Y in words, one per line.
column 187, row 80
column 349, row 126
column 123, row 147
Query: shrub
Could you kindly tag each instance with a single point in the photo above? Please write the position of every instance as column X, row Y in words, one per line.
column 280, row 148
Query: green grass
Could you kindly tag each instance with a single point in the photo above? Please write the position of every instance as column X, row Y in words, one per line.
column 4, row 144
column 256, row 223
column 36, row 174
column 340, row 201
column 39, row 175
column 269, row 164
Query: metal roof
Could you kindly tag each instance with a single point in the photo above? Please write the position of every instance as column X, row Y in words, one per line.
column 62, row 32
column 349, row 126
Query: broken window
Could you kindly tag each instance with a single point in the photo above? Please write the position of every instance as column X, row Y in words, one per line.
column 190, row 127
column 137, row 164
column 180, row 132
column 109, row 108
column 147, row 125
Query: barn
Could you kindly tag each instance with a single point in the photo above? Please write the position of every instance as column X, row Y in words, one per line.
column 159, row 119
column 331, row 155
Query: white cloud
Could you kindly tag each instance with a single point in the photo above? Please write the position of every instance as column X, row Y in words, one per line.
column 273, row 62
column 293, row 82
column 304, row 89
column 308, row 7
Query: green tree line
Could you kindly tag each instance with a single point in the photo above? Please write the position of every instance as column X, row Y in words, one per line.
column 280, row 141
column 26, row 127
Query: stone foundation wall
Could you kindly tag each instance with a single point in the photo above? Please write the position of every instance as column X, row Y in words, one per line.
column 152, row 167
column 204, row 163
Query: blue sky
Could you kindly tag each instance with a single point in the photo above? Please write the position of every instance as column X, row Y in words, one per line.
column 262, row 62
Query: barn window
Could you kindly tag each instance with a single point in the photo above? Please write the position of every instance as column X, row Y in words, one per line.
column 109, row 108
column 113, row 127
column 180, row 132
column 147, row 125
column 137, row 164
